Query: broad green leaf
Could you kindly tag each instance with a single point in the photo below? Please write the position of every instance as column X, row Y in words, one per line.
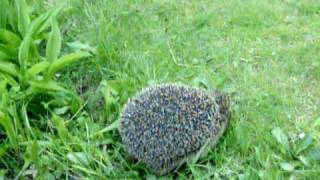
column 39, row 23
column 281, row 138
column 78, row 158
column 42, row 22
column 9, row 68
column 314, row 154
column 24, row 53
column 4, row 56
column 46, row 86
column 287, row 166
column 65, row 60
column 54, row 43
column 23, row 16
column 52, row 13
column 10, row 51
column 12, row 17
column 38, row 68
column 3, row 85
column 304, row 144
column 34, row 53
column 304, row 160
column 61, row 110
column 9, row 37
column 9, row 128
column 77, row 45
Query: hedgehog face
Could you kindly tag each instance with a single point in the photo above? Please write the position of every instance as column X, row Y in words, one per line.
column 164, row 124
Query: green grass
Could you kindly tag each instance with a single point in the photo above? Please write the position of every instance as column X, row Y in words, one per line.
column 264, row 54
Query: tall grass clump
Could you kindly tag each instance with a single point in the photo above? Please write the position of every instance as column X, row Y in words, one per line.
column 29, row 90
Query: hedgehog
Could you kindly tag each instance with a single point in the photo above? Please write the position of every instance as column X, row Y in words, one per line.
column 165, row 125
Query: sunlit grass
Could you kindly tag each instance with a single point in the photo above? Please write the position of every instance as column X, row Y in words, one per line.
column 265, row 55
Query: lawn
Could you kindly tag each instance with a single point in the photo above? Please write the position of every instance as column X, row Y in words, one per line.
column 264, row 54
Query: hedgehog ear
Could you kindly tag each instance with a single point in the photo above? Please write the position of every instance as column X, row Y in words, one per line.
column 217, row 96
column 222, row 100
column 225, row 106
column 225, row 102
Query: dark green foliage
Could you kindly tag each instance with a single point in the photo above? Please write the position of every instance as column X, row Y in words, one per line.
column 28, row 87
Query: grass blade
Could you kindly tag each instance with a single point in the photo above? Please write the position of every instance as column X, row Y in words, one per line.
column 38, row 68
column 65, row 60
column 60, row 126
column 46, row 86
column 109, row 94
column 35, row 28
column 113, row 126
column 24, row 167
column 23, row 55
column 23, row 16
column 54, row 43
column 9, row 128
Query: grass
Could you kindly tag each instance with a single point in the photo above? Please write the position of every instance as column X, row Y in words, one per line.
column 265, row 55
